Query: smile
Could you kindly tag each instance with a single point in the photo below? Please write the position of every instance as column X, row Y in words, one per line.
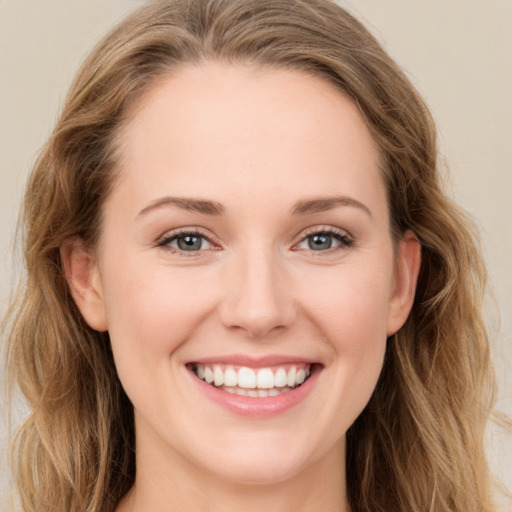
column 253, row 382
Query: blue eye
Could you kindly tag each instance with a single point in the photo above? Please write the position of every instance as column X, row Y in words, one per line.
column 189, row 242
column 320, row 242
column 186, row 242
column 324, row 240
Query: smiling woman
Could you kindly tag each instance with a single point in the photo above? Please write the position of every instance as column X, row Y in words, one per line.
column 250, row 283
column 245, row 286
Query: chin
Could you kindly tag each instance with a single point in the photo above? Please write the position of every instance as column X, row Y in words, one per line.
column 261, row 461
column 261, row 472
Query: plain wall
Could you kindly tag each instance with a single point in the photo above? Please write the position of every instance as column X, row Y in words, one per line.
column 457, row 52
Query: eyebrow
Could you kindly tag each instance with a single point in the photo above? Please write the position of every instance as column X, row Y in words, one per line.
column 202, row 206
column 207, row 207
column 323, row 204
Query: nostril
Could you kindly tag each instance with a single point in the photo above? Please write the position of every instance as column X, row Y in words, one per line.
column 258, row 331
column 258, row 321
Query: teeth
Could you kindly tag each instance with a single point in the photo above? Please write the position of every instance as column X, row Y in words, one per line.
column 280, row 378
column 208, row 375
column 218, row 376
column 246, row 381
column 260, row 393
column 246, row 378
column 265, row 379
column 290, row 378
column 230, row 377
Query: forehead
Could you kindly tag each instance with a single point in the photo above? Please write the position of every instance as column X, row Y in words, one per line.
column 216, row 129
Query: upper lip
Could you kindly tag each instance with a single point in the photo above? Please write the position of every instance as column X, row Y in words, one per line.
column 252, row 361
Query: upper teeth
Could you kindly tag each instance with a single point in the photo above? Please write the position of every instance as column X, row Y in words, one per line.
column 248, row 378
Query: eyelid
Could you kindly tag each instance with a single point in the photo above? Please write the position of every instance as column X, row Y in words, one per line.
column 343, row 236
column 171, row 235
column 324, row 228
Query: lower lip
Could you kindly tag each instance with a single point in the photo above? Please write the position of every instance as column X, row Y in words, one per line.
column 258, row 406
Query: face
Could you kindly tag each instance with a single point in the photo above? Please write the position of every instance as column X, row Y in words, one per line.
column 245, row 272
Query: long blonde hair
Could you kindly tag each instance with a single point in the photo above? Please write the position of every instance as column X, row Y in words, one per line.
column 418, row 445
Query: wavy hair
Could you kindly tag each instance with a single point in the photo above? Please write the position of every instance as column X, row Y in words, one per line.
column 418, row 445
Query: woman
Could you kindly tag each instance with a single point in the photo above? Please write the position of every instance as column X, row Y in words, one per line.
column 245, row 285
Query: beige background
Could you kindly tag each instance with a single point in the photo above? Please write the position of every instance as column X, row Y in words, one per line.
column 457, row 52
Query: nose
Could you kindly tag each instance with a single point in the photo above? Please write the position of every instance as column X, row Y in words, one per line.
column 258, row 299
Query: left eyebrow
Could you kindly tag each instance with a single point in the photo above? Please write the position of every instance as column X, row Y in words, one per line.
column 202, row 206
column 322, row 204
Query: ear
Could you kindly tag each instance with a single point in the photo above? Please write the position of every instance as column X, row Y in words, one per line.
column 406, row 276
column 83, row 278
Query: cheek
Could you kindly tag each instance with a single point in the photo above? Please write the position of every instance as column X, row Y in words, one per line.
column 350, row 306
column 350, row 310
column 151, row 312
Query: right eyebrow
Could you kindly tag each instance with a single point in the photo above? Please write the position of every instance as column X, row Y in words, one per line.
column 323, row 204
column 202, row 206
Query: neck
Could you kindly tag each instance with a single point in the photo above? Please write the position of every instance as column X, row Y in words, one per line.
column 173, row 485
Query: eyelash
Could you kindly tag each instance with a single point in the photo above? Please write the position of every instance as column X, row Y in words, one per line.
column 345, row 241
column 341, row 236
column 165, row 242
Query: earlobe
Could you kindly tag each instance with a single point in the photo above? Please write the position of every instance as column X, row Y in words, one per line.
column 83, row 278
column 406, row 277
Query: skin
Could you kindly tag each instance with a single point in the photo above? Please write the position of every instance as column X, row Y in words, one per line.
column 256, row 142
